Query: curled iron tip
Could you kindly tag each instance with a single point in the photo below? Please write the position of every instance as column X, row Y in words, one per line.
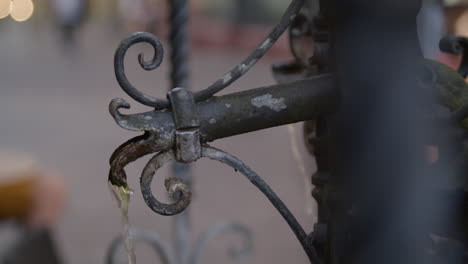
column 155, row 62
column 120, row 118
column 177, row 189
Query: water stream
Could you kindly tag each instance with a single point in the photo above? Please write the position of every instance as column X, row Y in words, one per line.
column 122, row 196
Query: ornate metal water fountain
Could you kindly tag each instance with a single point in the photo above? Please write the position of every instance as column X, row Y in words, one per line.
column 181, row 126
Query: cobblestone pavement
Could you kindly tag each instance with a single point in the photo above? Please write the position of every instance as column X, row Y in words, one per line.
column 54, row 104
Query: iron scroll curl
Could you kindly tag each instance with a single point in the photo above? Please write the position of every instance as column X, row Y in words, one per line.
column 166, row 255
column 155, row 62
column 183, row 200
column 162, row 250
column 227, row 79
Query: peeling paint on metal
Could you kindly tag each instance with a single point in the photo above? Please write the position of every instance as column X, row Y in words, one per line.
column 228, row 106
column 252, row 63
column 212, row 121
column 176, row 187
column 148, row 117
column 227, row 78
column 267, row 100
column 242, row 68
column 266, row 44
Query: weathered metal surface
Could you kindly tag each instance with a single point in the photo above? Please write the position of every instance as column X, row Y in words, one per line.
column 119, row 67
column 187, row 122
column 132, row 150
column 257, row 181
column 187, row 149
column 220, row 84
column 178, row 190
column 235, row 113
column 242, row 68
column 179, row 128
column 222, row 117
column 184, row 109
column 174, row 186
column 187, row 146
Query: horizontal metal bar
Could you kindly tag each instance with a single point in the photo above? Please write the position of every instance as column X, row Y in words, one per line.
column 266, row 107
column 243, row 112
column 253, row 110
column 221, row 117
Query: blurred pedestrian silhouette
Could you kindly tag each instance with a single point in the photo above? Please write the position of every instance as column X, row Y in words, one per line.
column 69, row 15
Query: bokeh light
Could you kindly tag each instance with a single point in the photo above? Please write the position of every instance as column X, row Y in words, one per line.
column 21, row 10
column 460, row 26
column 5, row 7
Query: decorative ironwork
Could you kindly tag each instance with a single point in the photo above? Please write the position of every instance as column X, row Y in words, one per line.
column 216, row 86
column 186, row 129
column 180, row 127
column 153, row 239
column 167, row 256
column 180, row 78
column 175, row 186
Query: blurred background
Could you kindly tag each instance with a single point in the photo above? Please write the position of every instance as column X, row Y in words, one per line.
column 56, row 81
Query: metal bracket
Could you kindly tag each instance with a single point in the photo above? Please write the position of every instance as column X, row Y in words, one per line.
column 187, row 122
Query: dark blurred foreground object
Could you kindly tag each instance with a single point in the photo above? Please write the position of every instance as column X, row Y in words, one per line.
column 379, row 201
column 31, row 201
column 34, row 247
column 28, row 193
column 382, row 207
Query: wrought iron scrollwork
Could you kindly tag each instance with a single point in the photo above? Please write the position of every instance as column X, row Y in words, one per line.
column 238, row 71
column 174, row 186
column 236, row 253
column 178, row 128
column 177, row 189
column 119, row 68
column 170, row 137
column 154, row 240
column 221, row 156
column 166, row 255
column 223, row 82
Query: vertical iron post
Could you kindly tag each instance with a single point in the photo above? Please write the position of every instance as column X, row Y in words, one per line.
column 180, row 43
column 379, row 201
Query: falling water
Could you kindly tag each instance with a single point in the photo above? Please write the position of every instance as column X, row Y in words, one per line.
column 122, row 197
column 309, row 202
